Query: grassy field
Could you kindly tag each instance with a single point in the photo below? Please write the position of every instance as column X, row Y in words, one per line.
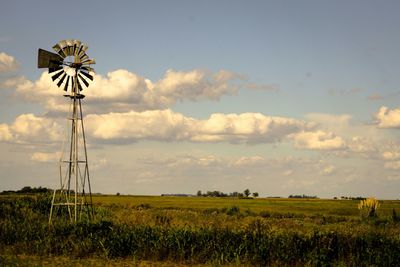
column 279, row 205
column 201, row 230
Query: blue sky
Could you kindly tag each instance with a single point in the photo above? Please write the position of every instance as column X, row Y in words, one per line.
column 331, row 64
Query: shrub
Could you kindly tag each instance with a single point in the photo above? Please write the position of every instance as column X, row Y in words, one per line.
column 368, row 207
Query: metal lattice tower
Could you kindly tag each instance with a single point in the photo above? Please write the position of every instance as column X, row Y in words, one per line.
column 70, row 68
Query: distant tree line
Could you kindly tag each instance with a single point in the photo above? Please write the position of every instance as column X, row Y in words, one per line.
column 28, row 190
column 302, row 196
column 351, row 198
column 246, row 194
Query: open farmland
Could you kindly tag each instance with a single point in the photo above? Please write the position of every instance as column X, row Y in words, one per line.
column 201, row 230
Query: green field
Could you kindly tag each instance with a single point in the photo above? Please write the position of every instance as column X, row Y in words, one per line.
column 201, row 230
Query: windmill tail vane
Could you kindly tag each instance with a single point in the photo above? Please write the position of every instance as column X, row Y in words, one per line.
column 70, row 68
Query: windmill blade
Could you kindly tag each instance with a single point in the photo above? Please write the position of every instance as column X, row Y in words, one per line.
column 87, row 75
column 62, row 79
column 77, row 42
column 62, row 43
column 58, row 49
column 78, row 54
column 70, row 47
column 48, row 59
column 84, row 57
column 51, row 70
column 72, row 84
column 83, row 80
column 58, row 74
column 82, row 50
column 79, row 85
column 66, row 51
column 89, row 62
column 84, row 47
column 66, row 84
column 74, row 49
column 88, row 69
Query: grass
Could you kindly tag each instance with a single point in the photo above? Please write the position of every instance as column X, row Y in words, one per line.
column 201, row 230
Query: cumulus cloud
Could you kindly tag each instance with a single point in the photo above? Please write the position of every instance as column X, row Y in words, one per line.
column 166, row 125
column 390, row 155
column 328, row 170
column 196, row 85
column 162, row 125
column 318, row 140
column 250, row 161
column 5, row 132
column 7, row 63
column 45, row 157
column 388, row 118
column 392, row 165
column 28, row 128
column 122, row 91
column 329, row 122
column 359, row 144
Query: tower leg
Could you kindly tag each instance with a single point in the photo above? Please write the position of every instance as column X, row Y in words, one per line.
column 75, row 188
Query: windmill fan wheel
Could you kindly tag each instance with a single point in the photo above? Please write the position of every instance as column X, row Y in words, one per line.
column 69, row 66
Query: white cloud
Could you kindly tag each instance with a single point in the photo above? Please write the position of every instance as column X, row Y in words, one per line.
column 98, row 164
column 318, row 140
column 163, row 125
column 166, row 125
column 330, row 119
column 249, row 161
column 288, row 173
column 359, row 144
column 393, row 165
column 196, row 85
column 247, row 128
column 390, row 155
column 122, row 91
column 388, row 118
column 28, row 128
column 45, row 157
column 5, row 132
column 328, row 170
column 7, row 63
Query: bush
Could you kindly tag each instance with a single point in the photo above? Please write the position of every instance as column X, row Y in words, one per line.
column 368, row 207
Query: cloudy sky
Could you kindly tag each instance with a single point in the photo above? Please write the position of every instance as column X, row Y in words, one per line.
column 281, row 97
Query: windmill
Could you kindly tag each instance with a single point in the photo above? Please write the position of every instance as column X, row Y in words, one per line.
column 70, row 68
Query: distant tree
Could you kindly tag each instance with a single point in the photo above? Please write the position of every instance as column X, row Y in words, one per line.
column 26, row 189
column 246, row 192
column 240, row 195
column 118, row 194
column 233, row 194
column 255, row 194
column 199, row 193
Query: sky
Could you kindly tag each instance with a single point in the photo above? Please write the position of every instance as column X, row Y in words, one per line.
column 280, row 97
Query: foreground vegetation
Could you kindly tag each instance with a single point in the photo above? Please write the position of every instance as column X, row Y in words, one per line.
column 198, row 230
